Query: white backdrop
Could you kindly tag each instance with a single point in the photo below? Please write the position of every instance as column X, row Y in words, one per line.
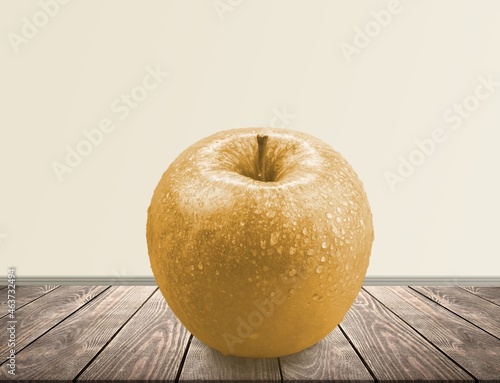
column 374, row 79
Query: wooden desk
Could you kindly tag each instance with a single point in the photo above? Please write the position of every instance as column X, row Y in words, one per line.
column 112, row 333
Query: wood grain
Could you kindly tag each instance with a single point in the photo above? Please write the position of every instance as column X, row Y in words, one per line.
column 126, row 333
column 482, row 313
column 491, row 294
column 46, row 312
column 149, row 347
column 24, row 294
column 64, row 351
column 470, row 347
column 204, row 364
column 332, row 359
column 392, row 350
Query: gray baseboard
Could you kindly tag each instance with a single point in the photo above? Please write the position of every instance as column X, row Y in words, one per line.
column 150, row 281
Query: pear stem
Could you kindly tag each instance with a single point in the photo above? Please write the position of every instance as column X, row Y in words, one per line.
column 262, row 142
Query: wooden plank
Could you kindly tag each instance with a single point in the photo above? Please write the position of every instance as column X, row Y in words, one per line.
column 46, row 312
column 204, row 364
column 64, row 351
column 473, row 349
column 491, row 294
column 332, row 359
column 24, row 294
column 49, row 309
column 482, row 313
column 150, row 347
column 392, row 350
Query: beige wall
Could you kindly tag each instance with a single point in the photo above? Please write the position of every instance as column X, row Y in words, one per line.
column 300, row 64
